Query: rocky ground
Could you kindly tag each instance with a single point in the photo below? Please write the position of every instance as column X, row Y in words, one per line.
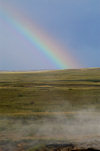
column 65, row 147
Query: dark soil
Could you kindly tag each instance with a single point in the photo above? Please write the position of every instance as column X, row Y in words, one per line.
column 65, row 147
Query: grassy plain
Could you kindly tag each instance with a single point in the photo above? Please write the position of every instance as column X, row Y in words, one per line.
column 27, row 98
column 26, row 93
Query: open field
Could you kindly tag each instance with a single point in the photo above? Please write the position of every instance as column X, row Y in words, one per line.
column 49, row 106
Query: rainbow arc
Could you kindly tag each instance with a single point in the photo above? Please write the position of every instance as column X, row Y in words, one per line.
column 55, row 53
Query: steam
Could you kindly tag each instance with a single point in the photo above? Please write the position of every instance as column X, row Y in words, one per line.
column 81, row 128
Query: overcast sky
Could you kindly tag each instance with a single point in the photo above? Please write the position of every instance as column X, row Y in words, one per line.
column 74, row 24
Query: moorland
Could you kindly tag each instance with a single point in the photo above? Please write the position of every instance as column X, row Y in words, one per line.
column 44, row 107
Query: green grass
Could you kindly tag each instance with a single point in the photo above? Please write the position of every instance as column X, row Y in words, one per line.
column 66, row 90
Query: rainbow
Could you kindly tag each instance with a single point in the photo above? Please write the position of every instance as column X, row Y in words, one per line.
column 55, row 53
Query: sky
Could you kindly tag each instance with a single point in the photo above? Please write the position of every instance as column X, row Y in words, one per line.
column 73, row 26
